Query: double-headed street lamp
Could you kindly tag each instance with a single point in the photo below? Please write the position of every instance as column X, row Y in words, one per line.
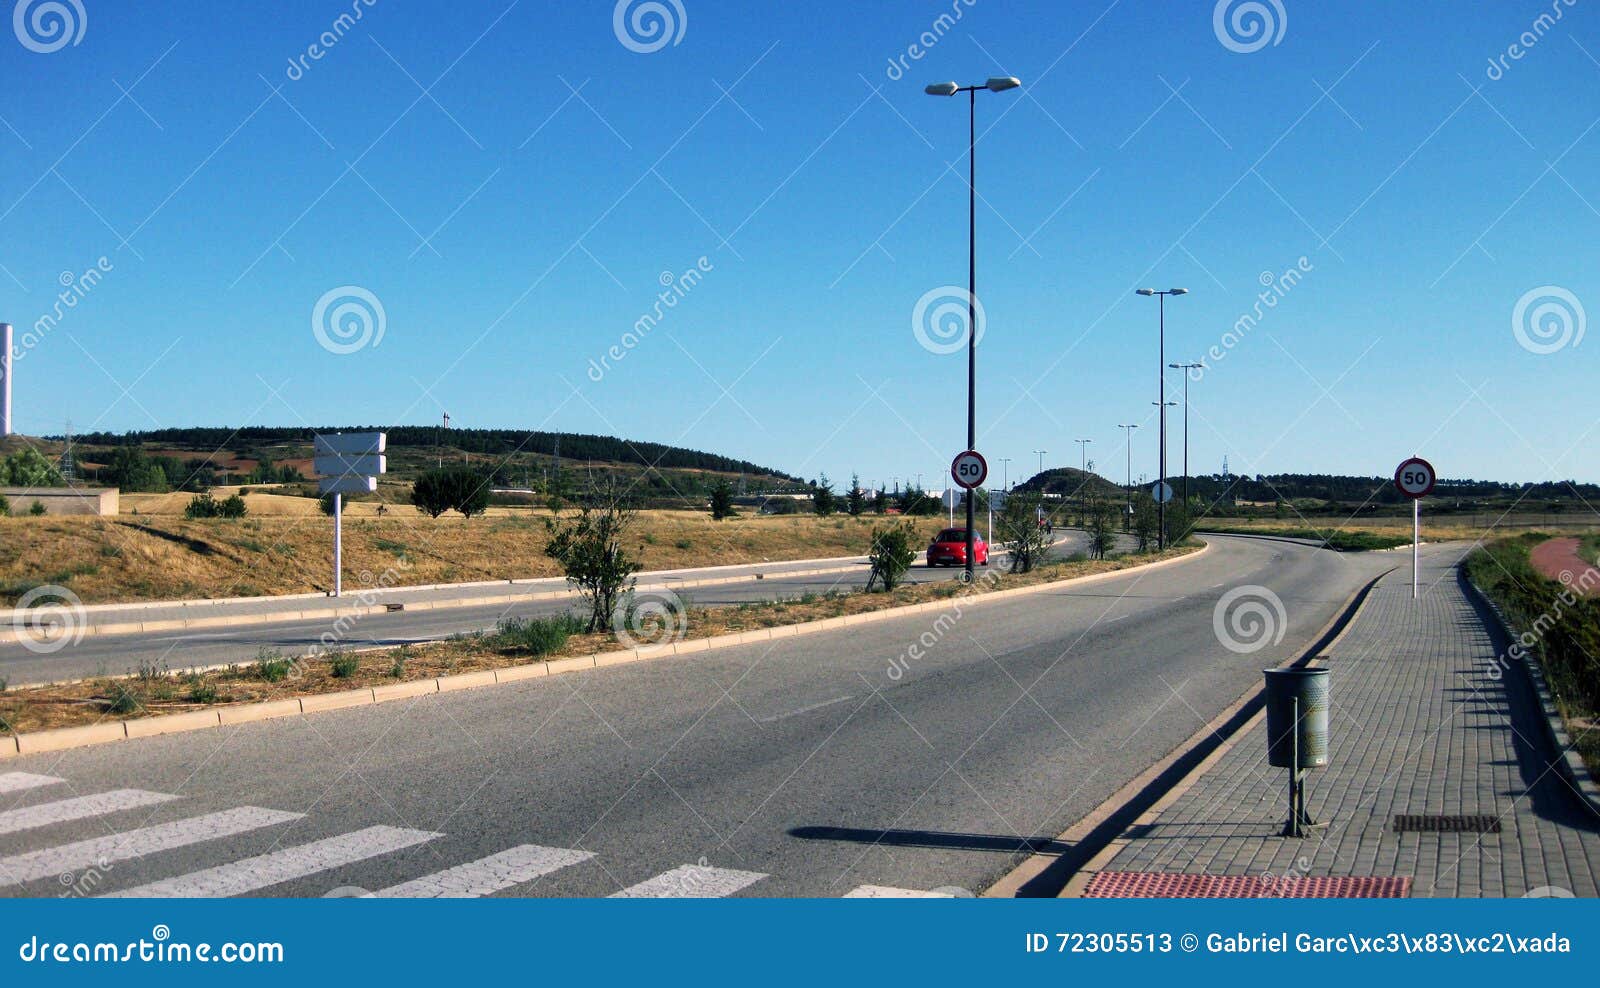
column 1186, row 368
column 1040, row 453
column 998, row 84
column 1161, row 395
column 1128, row 445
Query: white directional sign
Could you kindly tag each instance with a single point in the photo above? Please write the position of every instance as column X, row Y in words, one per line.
column 1161, row 491
column 969, row 469
column 348, row 463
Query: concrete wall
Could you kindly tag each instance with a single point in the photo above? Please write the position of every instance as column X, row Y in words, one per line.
column 63, row 500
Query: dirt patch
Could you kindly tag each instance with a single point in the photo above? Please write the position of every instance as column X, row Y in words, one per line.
column 1560, row 556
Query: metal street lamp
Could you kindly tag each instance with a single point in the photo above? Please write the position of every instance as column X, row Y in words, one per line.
column 1041, row 453
column 998, row 84
column 1083, row 456
column 1161, row 394
column 1186, row 368
column 1128, row 445
column 1005, row 473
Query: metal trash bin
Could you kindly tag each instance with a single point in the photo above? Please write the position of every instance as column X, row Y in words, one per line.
column 1297, row 717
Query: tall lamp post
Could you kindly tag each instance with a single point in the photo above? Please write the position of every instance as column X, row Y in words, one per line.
column 1040, row 453
column 998, row 84
column 1161, row 395
column 1186, row 368
column 1083, row 455
column 1005, row 473
column 1128, row 445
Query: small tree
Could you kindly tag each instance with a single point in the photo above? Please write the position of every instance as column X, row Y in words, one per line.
column 1019, row 526
column 325, row 504
column 1101, row 525
column 722, row 501
column 590, row 551
column 37, row 509
column 5, row 506
column 1144, row 520
column 823, row 499
column 28, row 467
column 1178, row 523
column 431, row 493
column 201, row 506
column 891, row 555
column 855, row 501
column 470, row 492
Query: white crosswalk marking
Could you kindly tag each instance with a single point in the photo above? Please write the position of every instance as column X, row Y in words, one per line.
column 78, row 808
column 18, row 781
column 890, row 892
column 485, row 876
column 276, row 867
column 102, row 851
column 691, row 882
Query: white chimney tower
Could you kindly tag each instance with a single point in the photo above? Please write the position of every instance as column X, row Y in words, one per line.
column 5, row 379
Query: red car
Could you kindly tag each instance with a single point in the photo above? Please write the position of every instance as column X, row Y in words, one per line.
column 949, row 548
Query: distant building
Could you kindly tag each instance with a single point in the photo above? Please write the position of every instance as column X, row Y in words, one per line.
column 63, row 500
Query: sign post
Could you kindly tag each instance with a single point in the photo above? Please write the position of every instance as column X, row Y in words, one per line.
column 969, row 469
column 348, row 463
column 1414, row 479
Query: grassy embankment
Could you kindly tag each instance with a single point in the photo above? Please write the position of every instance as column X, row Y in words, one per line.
column 1343, row 539
column 152, row 556
column 274, row 676
column 1566, row 625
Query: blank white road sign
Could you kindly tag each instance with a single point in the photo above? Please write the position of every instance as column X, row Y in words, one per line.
column 351, row 444
column 347, row 485
column 358, row 464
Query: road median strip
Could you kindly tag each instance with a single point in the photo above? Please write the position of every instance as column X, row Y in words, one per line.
column 62, row 738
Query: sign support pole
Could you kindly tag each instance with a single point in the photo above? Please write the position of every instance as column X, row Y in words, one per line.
column 338, row 544
column 1416, row 540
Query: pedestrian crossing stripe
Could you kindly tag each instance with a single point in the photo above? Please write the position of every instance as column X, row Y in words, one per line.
column 691, row 882
column 20, row 781
column 101, row 852
column 287, row 864
column 889, row 892
column 77, row 808
column 495, row 873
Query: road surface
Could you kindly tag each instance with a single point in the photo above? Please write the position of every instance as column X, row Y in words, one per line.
column 797, row 767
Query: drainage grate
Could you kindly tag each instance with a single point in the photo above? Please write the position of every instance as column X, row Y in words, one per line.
column 1446, row 823
column 1154, row 885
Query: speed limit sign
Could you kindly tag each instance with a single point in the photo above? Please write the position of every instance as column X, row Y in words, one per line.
column 969, row 469
column 1415, row 478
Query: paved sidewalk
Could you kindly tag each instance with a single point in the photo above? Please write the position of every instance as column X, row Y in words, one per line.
column 1420, row 725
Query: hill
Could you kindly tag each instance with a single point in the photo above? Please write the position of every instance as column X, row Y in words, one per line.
column 1070, row 482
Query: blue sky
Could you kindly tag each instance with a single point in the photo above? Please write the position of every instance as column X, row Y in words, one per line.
column 511, row 180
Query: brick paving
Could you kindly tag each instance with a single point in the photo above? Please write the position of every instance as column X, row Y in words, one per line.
column 1421, row 724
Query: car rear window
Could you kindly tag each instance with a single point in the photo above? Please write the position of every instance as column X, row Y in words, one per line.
column 951, row 535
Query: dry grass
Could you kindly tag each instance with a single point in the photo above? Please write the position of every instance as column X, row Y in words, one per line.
column 155, row 692
column 146, row 557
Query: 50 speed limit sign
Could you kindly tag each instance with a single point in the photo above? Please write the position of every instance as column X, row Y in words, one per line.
column 969, row 469
column 1415, row 478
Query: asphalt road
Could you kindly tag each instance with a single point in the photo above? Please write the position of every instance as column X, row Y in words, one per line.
column 796, row 767
column 98, row 655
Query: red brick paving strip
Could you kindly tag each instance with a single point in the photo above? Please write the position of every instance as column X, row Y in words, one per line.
column 1167, row 885
column 1559, row 556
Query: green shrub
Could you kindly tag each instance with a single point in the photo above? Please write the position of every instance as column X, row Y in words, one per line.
column 37, row 509
column 206, row 506
column 343, row 663
column 535, row 636
column 891, row 555
column 5, row 506
column 123, row 700
column 272, row 666
column 201, row 691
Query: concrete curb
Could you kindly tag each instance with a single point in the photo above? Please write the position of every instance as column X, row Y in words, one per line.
column 1015, row 883
column 1555, row 726
column 60, row 739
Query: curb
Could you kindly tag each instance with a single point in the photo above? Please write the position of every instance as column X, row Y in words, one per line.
column 63, row 738
column 1103, row 831
column 1555, row 727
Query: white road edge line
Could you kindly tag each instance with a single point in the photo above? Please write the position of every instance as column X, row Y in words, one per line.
column 495, row 873
column 277, row 867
